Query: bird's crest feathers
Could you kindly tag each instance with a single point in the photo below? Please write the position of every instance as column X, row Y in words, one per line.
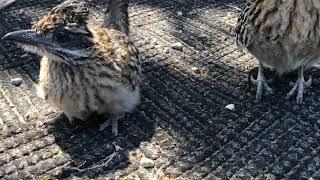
column 69, row 13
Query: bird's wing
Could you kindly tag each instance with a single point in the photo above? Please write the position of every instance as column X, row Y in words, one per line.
column 244, row 28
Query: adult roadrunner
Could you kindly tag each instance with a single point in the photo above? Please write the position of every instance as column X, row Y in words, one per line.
column 86, row 69
column 282, row 34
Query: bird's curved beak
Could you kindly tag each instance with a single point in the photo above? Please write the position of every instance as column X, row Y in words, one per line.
column 30, row 37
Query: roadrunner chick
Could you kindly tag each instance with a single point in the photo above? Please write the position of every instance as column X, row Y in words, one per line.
column 86, row 69
column 284, row 35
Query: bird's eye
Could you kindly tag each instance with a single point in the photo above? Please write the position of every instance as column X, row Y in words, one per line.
column 63, row 37
column 71, row 39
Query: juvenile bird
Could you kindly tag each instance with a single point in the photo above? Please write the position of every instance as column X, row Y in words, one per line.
column 86, row 68
column 282, row 34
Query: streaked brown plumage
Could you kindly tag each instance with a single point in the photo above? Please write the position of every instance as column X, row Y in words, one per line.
column 282, row 34
column 86, row 68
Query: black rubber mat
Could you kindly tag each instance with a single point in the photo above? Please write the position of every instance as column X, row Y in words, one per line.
column 182, row 123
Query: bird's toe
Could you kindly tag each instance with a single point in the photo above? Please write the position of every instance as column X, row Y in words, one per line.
column 309, row 82
column 268, row 88
column 299, row 99
column 299, row 87
column 104, row 125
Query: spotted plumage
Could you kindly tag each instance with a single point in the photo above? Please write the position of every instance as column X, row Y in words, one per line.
column 284, row 35
column 86, row 68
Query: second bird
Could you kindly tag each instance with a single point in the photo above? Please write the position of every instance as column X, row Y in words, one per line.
column 284, row 35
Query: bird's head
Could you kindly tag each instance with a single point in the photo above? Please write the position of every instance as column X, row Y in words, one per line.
column 62, row 35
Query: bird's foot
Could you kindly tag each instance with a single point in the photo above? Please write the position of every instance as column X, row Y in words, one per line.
column 113, row 120
column 50, row 121
column 104, row 125
column 261, row 84
column 300, row 86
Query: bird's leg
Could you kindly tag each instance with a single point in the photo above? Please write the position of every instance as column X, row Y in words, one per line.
column 113, row 119
column 261, row 83
column 299, row 86
column 115, row 126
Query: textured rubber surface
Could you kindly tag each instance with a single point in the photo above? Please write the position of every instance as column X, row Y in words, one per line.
column 182, row 122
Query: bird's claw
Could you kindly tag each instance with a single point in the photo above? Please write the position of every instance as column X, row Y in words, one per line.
column 113, row 120
column 50, row 121
column 309, row 82
column 300, row 86
column 46, row 123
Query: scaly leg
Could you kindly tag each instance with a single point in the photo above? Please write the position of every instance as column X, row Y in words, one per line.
column 113, row 119
column 299, row 86
column 261, row 83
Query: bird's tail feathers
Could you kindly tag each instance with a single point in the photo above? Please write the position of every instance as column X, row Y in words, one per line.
column 117, row 16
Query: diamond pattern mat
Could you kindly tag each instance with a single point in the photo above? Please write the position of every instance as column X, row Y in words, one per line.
column 182, row 124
